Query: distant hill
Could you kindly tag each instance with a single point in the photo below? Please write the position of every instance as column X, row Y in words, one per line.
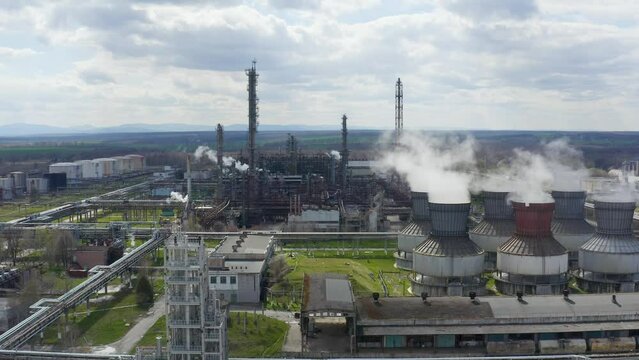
column 18, row 129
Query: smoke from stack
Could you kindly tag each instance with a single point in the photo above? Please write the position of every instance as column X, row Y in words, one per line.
column 205, row 151
column 176, row 196
column 439, row 166
column 566, row 164
column 335, row 154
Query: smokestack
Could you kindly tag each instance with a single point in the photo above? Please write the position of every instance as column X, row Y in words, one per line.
column 188, row 176
column 399, row 109
column 331, row 170
column 344, row 152
column 569, row 204
column 220, row 161
column 252, row 113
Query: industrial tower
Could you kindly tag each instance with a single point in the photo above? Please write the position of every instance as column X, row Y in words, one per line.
column 195, row 324
column 252, row 113
column 220, row 161
column 344, row 152
column 399, row 109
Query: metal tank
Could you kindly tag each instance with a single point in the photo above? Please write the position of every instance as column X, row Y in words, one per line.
column 609, row 261
column 415, row 232
column 532, row 260
column 569, row 226
column 497, row 226
column 447, row 262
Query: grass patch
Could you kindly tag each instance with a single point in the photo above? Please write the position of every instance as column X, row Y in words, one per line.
column 391, row 245
column 158, row 329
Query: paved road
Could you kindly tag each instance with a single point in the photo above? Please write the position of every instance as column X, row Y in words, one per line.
column 128, row 341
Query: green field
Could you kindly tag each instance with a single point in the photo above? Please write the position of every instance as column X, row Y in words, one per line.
column 337, row 244
column 363, row 271
column 262, row 340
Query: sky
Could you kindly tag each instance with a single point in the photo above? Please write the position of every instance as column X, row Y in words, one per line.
column 465, row 64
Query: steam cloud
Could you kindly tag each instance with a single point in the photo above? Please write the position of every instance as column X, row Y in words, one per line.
column 205, row 151
column 335, row 154
column 622, row 191
column 176, row 196
column 441, row 167
column 566, row 164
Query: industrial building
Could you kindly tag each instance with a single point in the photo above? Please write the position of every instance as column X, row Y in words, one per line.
column 237, row 267
column 569, row 226
column 447, row 262
column 532, row 261
column 609, row 261
column 99, row 168
column 496, row 226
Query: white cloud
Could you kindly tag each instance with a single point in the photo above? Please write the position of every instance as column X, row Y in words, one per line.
column 464, row 64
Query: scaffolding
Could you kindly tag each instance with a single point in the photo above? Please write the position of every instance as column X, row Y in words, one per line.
column 196, row 325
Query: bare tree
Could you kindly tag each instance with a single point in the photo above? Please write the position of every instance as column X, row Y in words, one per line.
column 12, row 243
column 63, row 243
column 277, row 269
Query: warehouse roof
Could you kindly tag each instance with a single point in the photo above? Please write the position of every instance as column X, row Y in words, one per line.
column 327, row 292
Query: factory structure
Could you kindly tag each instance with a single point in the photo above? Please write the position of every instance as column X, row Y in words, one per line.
column 99, row 168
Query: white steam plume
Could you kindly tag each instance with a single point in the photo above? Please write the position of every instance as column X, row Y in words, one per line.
column 566, row 164
column 622, row 191
column 228, row 161
column 530, row 178
column 335, row 154
column 176, row 196
column 441, row 167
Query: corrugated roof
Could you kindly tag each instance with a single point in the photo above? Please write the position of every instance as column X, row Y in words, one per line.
column 571, row 227
column 495, row 227
column 453, row 246
column 532, row 246
column 616, row 244
column 418, row 228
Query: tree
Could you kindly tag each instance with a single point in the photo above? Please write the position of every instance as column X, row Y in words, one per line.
column 12, row 243
column 62, row 248
column 144, row 292
column 277, row 269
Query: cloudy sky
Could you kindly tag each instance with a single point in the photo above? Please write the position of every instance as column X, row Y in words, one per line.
column 493, row 64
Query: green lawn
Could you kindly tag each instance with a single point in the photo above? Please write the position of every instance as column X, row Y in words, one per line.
column 262, row 340
column 337, row 244
column 106, row 323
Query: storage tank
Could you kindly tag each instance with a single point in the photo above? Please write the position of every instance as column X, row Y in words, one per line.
column 532, row 261
column 497, row 226
column 137, row 162
column 415, row 232
column 19, row 181
column 609, row 261
column 87, row 169
column 72, row 170
column 569, row 226
column 447, row 262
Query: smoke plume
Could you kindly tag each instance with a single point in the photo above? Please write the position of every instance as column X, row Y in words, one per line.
column 566, row 164
column 205, row 151
column 440, row 166
column 335, row 154
column 530, row 178
column 176, row 196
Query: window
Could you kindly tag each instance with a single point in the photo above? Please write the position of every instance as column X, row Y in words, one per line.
column 222, row 279
column 213, row 279
column 233, row 280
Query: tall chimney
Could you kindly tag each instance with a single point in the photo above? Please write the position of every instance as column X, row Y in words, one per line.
column 344, row 152
column 252, row 113
column 188, row 176
column 220, row 162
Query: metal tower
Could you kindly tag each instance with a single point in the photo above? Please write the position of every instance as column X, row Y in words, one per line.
column 252, row 113
column 399, row 109
column 220, row 161
column 195, row 324
column 344, row 152
column 292, row 150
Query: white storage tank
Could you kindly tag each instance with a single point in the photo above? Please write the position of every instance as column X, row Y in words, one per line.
column 72, row 170
column 137, row 162
column 104, row 167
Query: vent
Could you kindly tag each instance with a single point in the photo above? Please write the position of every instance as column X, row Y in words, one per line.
column 449, row 219
column 569, row 204
column 497, row 206
column 419, row 205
